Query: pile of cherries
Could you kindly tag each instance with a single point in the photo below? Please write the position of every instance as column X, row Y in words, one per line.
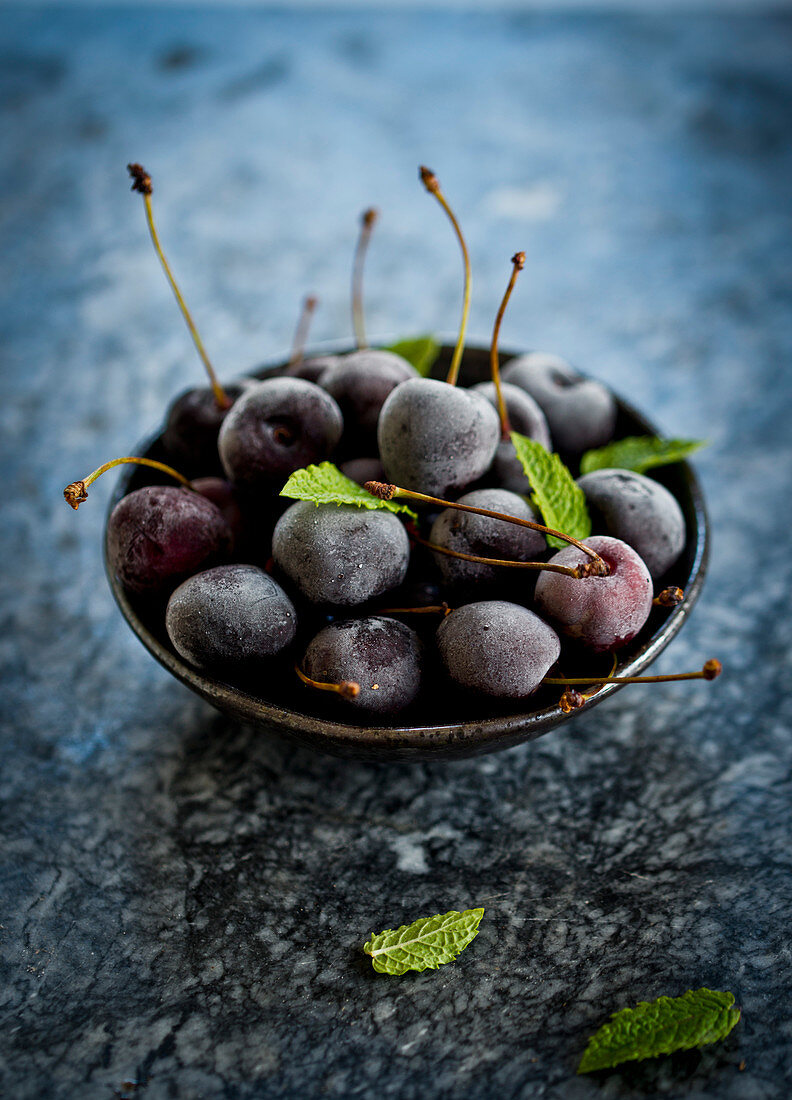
column 364, row 608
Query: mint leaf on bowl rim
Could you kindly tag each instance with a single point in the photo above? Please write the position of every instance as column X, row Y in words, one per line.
column 639, row 453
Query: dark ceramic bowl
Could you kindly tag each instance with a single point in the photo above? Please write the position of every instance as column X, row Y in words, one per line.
column 446, row 724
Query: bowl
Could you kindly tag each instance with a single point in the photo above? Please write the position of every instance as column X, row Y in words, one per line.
column 449, row 726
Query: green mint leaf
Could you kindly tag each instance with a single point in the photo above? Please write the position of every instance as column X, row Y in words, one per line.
column 639, row 453
column 420, row 352
column 558, row 497
column 325, row 484
column 660, row 1027
column 425, row 944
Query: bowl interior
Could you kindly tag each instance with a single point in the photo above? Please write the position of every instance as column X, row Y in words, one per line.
column 445, row 722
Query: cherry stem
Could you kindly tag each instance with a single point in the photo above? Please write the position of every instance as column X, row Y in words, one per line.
column 518, row 259
column 430, row 609
column 77, row 492
column 347, row 689
column 669, row 597
column 710, row 671
column 142, row 184
column 367, row 222
column 596, row 568
column 301, row 332
column 567, row 570
column 432, row 185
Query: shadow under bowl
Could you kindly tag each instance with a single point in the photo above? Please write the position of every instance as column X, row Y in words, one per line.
column 451, row 725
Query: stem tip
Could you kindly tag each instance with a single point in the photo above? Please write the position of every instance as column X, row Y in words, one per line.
column 75, row 494
column 141, row 180
column 429, row 179
column 712, row 669
column 380, row 489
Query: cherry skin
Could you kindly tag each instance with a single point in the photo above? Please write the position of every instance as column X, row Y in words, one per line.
column 484, row 537
column 380, row 655
column 581, row 413
column 360, row 383
column 601, row 612
column 435, row 438
column 158, row 535
column 276, row 427
column 230, row 619
column 497, row 648
column 340, row 554
column 640, row 512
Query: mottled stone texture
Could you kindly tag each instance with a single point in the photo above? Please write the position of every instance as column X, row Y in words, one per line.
column 184, row 901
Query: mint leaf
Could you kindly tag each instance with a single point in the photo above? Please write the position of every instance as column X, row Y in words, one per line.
column 425, row 944
column 325, row 484
column 560, row 500
column 420, row 352
column 660, row 1027
column 639, row 453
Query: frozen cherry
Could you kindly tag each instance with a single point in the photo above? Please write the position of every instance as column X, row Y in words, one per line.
column 581, row 413
column 379, row 656
column 640, row 512
column 158, row 535
column 602, row 612
column 469, row 533
column 497, row 648
column 359, row 383
column 230, row 619
column 436, row 438
column 276, row 427
column 340, row 554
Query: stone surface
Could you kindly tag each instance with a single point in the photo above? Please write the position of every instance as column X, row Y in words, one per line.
column 185, row 901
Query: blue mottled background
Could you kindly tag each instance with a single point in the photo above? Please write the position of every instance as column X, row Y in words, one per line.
column 184, row 900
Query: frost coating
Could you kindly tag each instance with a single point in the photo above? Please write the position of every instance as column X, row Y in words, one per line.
column 435, row 438
column 484, row 537
column 340, row 554
column 602, row 612
column 230, row 617
column 581, row 413
column 640, row 512
column 498, row 648
column 379, row 654
column 525, row 417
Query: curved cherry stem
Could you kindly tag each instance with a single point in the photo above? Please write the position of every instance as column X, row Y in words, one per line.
column 142, row 184
column 77, row 492
column 597, row 567
column 567, row 570
column 367, row 223
column 347, row 689
column 432, row 185
column 711, row 670
column 518, row 260
column 301, row 332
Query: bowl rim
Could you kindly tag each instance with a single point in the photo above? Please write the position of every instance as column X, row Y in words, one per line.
column 481, row 734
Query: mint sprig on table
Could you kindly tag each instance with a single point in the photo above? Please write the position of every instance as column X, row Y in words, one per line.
column 325, row 484
column 426, row 944
column 696, row 1018
column 639, row 453
column 558, row 497
column 420, row 352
